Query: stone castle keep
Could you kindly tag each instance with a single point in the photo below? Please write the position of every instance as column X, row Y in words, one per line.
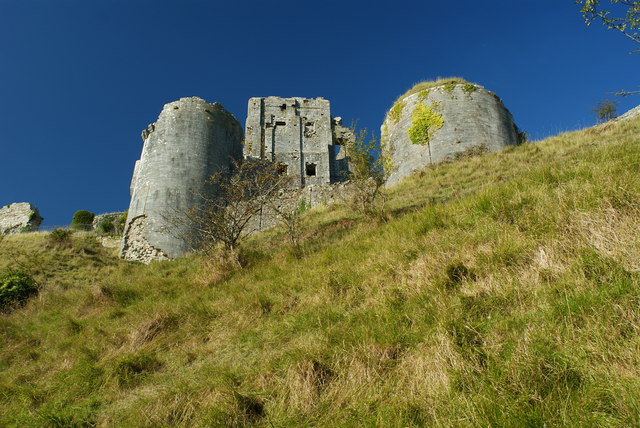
column 193, row 139
column 300, row 136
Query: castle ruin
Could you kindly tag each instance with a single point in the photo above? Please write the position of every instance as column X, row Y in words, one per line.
column 454, row 117
column 300, row 136
column 189, row 142
column 193, row 139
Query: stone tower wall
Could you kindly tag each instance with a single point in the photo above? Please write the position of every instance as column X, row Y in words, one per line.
column 472, row 117
column 293, row 132
column 190, row 141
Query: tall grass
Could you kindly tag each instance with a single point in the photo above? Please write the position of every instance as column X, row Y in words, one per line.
column 501, row 290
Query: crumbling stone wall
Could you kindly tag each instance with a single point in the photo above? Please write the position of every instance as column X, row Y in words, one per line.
column 19, row 217
column 189, row 142
column 300, row 136
column 313, row 196
column 459, row 117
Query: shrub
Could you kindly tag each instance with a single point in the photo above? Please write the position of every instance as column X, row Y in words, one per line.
column 82, row 220
column 121, row 221
column 131, row 369
column 16, row 287
column 106, row 226
column 605, row 110
column 60, row 237
column 456, row 273
column 371, row 167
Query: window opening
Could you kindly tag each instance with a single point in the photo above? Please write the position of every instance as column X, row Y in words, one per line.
column 311, row 169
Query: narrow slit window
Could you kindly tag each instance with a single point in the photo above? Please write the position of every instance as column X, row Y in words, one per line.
column 311, row 169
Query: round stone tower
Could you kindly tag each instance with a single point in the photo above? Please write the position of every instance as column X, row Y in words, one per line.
column 436, row 121
column 190, row 141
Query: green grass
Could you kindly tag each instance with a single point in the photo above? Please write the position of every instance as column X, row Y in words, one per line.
column 448, row 82
column 502, row 290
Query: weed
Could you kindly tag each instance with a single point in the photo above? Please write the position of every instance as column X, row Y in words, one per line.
column 60, row 237
column 131, row 369
column 16, row 286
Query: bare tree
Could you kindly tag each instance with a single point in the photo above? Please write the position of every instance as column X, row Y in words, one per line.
column 288, row 212
column 238, row 196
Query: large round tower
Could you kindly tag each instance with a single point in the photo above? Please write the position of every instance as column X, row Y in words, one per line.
column 190, row 141
column 434, row 121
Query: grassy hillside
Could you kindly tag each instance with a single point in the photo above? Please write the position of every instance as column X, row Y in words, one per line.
column 503, row 290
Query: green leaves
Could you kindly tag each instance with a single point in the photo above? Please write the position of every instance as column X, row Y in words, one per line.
column 16, row 287
column 424, row 123
column 624, row 16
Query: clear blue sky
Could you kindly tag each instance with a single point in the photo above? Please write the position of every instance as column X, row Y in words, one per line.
column 80, row 79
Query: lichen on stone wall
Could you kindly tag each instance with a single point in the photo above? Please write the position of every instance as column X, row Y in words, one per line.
column 423, row 95
column 385, row 133
column 425, row 121
column 450, row 86
column 469, row 88
column 396, row 111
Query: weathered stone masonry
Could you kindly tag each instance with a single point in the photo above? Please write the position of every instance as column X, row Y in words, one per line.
column 299, row 135
column 193, row 139
column 19, row 217
column 472, row 117
column 190, row 141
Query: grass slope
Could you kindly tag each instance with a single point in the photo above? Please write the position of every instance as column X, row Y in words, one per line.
column 503, row 290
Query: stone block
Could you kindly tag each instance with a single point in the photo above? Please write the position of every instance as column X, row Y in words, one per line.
column 19, row 217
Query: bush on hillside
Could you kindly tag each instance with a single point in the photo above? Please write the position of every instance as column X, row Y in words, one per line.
column 121, row 221
column 106, row 226
column 605, row 110
column 16, row 287
column 82, row 220
column 370, row 167
column 60, row 237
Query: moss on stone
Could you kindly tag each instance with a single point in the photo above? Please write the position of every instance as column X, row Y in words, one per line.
column 385, row 132
column 396, row 111
column 425, row 121
column 423, row 95
column 419, row 87
column 450, row 86
column 469, row 88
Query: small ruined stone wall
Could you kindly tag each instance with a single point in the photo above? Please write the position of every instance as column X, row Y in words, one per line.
column 112, row 217
column 190, row 141
column 313, row 196
column 19, row 217
column 463, row 116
